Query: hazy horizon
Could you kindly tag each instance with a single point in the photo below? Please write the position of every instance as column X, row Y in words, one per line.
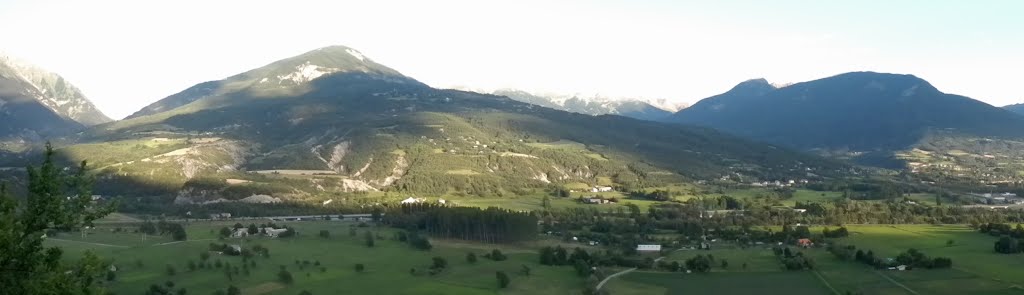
column 126, row 54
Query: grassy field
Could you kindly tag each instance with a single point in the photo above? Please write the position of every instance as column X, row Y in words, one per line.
column 976, row 268
column 793, row 283
column 971, row 252
column 387, row 264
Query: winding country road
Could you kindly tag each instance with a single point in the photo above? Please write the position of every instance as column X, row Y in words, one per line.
column 608, row 278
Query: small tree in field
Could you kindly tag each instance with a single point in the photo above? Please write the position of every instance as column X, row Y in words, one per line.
column 369, row 239
column 360, row 267
column 439, row 263
column 503, row 279
column 285, row 277
column 471, row 257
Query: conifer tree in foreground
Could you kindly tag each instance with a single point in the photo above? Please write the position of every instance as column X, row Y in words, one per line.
column 56, row 200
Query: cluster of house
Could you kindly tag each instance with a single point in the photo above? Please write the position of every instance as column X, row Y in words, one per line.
column 600, row 189
column 598, row 200
column 412, row 200
column 1003, row 198
column 591, row 243
column 779, row 183
column 216, row 216
column 268, row 231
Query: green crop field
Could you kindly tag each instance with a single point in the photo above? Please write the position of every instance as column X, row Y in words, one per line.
column 972, row 252
column 796, row 283
column 977, row 269
column 388, row 264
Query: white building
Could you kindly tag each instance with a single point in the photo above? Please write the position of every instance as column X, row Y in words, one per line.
column 240, row 232
column 598, row 189
column 273, row 232
column 648, row 248
column 410, row 200
column 220, row 216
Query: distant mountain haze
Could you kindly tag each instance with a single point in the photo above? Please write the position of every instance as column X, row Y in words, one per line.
column 863, row 111
column 635, row 108
column 1016, row 108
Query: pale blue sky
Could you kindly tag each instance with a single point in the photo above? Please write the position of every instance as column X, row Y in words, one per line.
column 126, row 54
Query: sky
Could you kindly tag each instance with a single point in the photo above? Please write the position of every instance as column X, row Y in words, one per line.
column 125, row 55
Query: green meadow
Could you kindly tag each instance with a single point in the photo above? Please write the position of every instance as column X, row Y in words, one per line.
column 391, row 266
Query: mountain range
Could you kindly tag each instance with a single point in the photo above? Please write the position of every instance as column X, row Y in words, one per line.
column 885, row 120
column 860, row 111
column 333, row 120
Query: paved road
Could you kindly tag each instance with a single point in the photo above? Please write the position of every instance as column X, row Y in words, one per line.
column 608, row 278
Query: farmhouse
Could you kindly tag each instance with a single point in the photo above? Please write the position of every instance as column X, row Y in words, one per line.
column 273, row 232
column 412, row 200
column 804, row 243
column 220, row 215
column 648, row 248
column 599, row 189
column 240, row 232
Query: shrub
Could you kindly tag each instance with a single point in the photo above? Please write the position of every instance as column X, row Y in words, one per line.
column 503, row 279
column 285, row 277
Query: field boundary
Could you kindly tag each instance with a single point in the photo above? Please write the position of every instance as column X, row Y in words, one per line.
column 897, row 283
column 176, row 242
column 827, row 284
column 90, row 243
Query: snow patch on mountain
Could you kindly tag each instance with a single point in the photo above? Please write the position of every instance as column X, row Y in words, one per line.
column 306, row 72
column 356, row 54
